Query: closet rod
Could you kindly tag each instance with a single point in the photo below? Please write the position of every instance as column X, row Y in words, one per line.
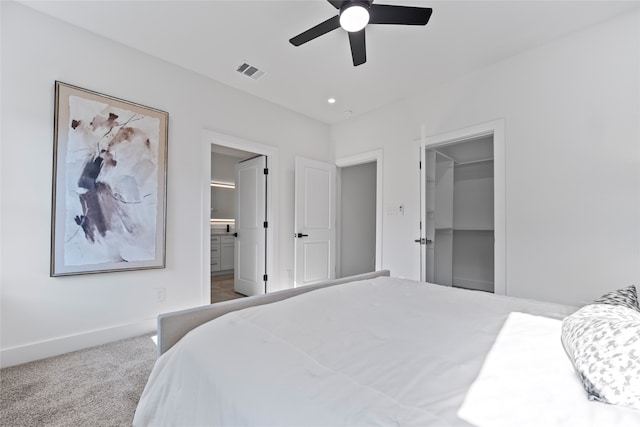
column 456, row 162
column 444, row 155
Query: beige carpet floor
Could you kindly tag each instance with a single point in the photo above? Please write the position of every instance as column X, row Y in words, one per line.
column 99, row 386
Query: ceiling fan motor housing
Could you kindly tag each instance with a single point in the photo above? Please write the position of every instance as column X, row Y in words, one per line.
column 354, row 15
column 348, row 3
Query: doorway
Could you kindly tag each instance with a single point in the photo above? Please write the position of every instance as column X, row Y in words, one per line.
column 459, row 204
column 462, row 192
column 357, row 219
column 224, row 194
column 366, row 171
column 220, row 239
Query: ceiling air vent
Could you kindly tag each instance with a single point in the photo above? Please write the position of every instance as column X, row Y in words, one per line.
column 250, row 71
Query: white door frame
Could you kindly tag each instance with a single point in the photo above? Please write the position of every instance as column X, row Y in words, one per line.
column 358, row 159
column 495, row 128
column 215, row 138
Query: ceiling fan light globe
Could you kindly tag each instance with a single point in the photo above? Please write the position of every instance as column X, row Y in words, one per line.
column 354, row 18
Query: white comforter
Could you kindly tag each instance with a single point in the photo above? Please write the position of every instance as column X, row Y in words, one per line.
column 385, row 352
column 527, row 380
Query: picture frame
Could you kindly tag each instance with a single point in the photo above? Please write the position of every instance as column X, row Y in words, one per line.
column 109, row 184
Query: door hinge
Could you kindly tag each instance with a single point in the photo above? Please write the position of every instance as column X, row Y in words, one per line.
column 266, row 171
column 265, row 278
column 265, row 224
column 420, row 164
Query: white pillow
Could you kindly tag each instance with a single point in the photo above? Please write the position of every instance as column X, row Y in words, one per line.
column 603, row 343
column 627, row 297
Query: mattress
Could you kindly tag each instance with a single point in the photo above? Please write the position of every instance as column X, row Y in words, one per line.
column 384, row 351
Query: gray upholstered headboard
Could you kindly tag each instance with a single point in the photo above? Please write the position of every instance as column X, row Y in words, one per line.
column 173, row 326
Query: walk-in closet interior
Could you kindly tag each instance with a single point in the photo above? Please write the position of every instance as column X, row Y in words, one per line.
column 459, row 195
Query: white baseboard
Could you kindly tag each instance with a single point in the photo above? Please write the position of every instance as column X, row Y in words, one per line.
column 54, row 347
column 481, row 285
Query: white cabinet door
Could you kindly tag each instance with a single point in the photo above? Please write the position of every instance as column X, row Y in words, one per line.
column 315, row 229
column 250, row 259
column 215, row 253
column 226, row 256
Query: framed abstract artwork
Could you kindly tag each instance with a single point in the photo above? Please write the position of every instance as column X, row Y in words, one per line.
column 109, row 184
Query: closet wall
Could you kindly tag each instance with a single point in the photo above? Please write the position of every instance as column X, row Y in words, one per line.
column 473, row 234
column 462, row 210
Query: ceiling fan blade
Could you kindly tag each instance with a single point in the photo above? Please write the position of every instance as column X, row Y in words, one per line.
column 336, row 3
column 358, row 47
column 320, row 29
column 401, row 15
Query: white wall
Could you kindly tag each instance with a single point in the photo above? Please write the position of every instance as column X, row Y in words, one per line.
column 473, row 202
column 571, row 111
column 223, row 201
column 223, row 167
column 42, row 316
column 357, row 219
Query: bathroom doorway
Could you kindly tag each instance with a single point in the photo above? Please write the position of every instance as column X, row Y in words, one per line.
column 223, row 220
column 233, row 187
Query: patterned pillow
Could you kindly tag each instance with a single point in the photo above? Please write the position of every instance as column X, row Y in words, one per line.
column 603, row 342
column 627, row 297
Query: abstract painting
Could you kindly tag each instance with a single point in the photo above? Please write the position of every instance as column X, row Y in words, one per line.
column 109, row 184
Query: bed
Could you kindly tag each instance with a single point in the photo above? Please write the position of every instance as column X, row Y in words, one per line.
column 369, row 350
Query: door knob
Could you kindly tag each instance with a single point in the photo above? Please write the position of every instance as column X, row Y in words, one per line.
column 299, row 235
column 423, row 241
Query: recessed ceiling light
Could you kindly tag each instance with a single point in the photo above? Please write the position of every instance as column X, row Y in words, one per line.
column 331, row 100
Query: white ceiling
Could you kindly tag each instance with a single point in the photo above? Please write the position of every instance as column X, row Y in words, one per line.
column 213, row 38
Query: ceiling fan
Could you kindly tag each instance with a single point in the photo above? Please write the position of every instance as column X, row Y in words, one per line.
column 353, row 17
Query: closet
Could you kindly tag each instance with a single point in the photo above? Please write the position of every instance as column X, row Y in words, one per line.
column 459, row 203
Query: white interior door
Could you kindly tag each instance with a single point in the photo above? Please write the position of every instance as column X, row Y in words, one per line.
column 315, row 221
column 251, row 217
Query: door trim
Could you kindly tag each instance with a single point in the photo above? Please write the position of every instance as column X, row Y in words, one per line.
column 354, row 160
column 215, row 138
column 495, row 127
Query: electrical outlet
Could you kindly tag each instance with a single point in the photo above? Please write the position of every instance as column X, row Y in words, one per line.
column 160, row 294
